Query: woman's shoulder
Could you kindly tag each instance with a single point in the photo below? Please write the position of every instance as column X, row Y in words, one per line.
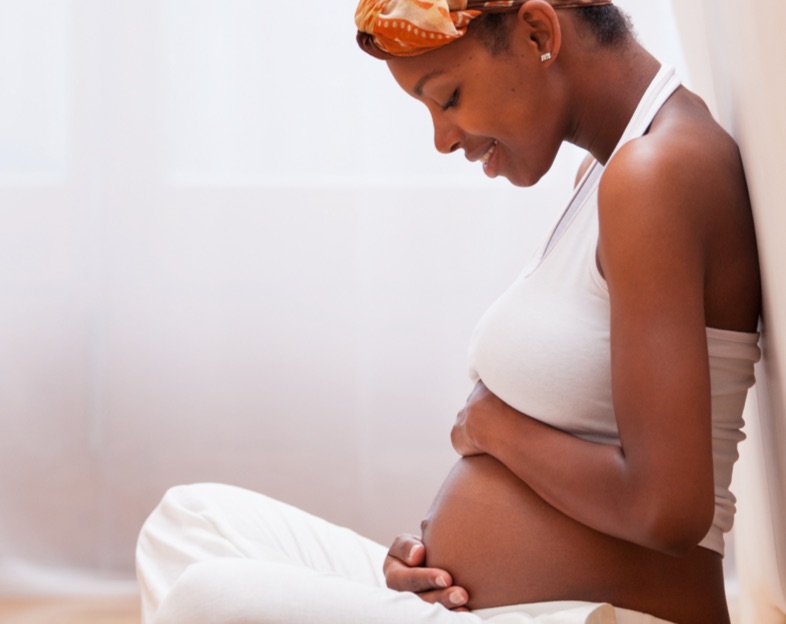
column 684, row 149
column 686, row 164
column 679, row 191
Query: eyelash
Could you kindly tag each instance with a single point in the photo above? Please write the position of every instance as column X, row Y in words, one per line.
column 452, row 101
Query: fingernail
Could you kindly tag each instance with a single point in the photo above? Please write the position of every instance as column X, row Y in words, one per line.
column 456, row 597
column 442, row 581
column 414, row 550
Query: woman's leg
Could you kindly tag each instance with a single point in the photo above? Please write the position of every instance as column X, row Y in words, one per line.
column 217, row 554
column 213, row 553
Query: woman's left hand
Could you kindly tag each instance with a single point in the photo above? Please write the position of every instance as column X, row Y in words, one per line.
column 479, row 417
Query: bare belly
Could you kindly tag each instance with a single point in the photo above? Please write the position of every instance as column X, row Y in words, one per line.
column 506, row 545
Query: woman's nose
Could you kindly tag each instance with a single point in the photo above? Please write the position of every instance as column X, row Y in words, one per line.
column 447, row 136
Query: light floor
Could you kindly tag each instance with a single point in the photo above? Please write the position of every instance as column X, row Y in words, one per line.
column 123, row 610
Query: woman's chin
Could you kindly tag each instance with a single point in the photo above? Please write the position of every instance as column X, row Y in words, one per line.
column 522, row 180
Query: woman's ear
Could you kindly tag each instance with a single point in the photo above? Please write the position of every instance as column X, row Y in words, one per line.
column 543, row 28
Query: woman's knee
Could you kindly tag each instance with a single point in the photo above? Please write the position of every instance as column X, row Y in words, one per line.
column 176, row 534
column 167, row 517
column 201, row 595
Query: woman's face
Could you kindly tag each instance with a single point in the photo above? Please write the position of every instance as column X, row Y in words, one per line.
column 500, row 109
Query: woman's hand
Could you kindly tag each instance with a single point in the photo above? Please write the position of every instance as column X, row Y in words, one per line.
column 404, row 571
column 481, row 413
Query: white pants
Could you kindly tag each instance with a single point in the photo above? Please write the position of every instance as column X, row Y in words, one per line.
column 213, row 554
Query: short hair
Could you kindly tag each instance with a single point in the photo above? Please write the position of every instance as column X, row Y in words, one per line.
column 608, row 24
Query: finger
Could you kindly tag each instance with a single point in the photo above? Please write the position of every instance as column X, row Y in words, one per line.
column 409, row 549
column 400, row 577
column 452, row 598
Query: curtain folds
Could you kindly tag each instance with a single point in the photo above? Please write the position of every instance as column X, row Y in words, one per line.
column 735, row 53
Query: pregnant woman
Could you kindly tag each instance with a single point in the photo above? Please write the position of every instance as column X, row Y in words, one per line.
column 598, row 443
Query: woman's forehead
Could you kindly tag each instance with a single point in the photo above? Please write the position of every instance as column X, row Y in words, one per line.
column 413, row 75
column 414, row 72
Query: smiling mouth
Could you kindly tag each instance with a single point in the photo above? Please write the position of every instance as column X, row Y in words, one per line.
column 485, row 158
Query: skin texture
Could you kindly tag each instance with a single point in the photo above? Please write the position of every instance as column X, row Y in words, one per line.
column 677, row 249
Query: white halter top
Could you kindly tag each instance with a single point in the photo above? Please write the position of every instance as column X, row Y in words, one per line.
column 544, row 346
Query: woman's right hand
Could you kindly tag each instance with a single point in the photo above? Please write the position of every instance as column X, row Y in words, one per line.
column 404, row 571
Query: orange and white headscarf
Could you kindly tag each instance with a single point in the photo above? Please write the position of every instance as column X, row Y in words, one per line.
column 389, row 28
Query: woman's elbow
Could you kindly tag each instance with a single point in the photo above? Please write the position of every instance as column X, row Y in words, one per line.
column 677, row 529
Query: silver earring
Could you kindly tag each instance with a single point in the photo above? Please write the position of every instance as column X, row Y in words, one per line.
column 546, row 56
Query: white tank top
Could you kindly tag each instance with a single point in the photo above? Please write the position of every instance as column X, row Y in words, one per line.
column 544, row 346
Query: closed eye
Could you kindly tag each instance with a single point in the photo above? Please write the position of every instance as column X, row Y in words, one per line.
column 451, row 103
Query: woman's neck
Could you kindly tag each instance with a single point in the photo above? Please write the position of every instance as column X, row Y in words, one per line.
column 608, row 85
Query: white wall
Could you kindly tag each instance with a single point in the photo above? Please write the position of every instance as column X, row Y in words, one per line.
column 229, row 252
column 739, row 51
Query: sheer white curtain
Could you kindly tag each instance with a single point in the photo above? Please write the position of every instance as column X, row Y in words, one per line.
column 737, row 51
column 229, row 252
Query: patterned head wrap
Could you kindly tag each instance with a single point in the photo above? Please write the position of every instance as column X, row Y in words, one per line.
column 389, row 28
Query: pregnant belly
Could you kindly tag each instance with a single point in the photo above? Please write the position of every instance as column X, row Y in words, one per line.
column 506, row 545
